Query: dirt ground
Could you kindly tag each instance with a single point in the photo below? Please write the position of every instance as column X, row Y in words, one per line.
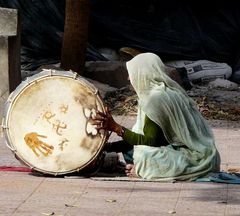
column 213, row 103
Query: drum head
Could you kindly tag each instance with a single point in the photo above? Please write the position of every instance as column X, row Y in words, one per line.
column 48, row 121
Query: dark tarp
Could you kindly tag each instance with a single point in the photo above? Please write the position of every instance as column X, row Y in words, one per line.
column 42, row 30
column 172, row 29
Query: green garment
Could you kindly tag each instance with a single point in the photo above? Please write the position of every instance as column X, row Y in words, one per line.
column 191, row 152
column 153, row 135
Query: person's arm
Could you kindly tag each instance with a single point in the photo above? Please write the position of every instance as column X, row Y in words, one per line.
column 153, row 135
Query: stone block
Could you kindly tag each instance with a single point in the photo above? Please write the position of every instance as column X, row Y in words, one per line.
column 113, row 73
column 10, row 66
column 8, row 22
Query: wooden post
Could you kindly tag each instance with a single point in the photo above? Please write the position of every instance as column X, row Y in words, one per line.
column 75, row 35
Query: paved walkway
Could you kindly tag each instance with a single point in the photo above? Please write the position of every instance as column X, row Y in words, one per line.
column 24, row 194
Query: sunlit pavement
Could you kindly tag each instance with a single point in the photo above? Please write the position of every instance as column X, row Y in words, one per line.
column 24, row 194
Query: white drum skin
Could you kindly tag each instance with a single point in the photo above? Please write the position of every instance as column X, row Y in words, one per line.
column 47, row 122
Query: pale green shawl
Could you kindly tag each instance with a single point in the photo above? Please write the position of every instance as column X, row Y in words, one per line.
column 191, row 152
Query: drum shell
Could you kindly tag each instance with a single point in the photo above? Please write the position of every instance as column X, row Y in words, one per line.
column 56, row 148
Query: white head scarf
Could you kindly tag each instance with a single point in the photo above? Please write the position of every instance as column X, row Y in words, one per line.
column 147, row 71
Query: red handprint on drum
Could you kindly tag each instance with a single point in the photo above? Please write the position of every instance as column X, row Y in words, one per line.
column 33, row 141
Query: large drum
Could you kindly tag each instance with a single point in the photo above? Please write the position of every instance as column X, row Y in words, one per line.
column 47, row 122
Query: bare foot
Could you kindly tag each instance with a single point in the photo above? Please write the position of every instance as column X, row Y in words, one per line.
column 130, row 171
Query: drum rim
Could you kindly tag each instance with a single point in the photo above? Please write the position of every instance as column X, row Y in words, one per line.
column 20, row 88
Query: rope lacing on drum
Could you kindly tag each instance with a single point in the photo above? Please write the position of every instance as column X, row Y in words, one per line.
column 1, row 129
column 75, row 75
column 11, row 148
column 28, row 81
column 51, row 72
column 96, row 92
column 3, row 126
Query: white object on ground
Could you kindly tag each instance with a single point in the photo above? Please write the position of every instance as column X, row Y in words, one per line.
column 203, row 70
column 222, row 83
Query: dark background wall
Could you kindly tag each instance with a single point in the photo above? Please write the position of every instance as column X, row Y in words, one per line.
column 173, row 29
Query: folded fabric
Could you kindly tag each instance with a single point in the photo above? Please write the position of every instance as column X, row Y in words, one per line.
column 222, row 177
column 15, row 169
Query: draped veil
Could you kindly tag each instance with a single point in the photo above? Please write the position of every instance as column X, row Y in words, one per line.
column 191, row 151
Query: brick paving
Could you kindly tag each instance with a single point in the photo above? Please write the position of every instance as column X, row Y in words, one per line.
column 24, row 194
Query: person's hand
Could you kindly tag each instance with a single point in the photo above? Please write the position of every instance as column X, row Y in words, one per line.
column 105, row 121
